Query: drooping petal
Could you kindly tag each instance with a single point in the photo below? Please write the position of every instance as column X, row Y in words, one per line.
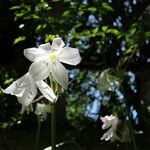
column 107, row 121
column 29, row 94
column 57, row 43
column 18, row 87
column 28, row 109
column 112, row 123
column 107, row 136
column 69, row 56
column 39, row 70
column 60, row 73
column 13, row 90
column 46, row 91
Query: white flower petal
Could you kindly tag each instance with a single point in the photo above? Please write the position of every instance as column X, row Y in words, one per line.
column 45, row 46
column 57, row 43
column 30, row 53
column 29, row 94
column 60, row 73
column 28, row 109
column 42, row 57
column 13, row 90
column 18, row 87
column 39, row 70
column 69, row 56
column 46, row 91
column 110, row 122
column 34, row 54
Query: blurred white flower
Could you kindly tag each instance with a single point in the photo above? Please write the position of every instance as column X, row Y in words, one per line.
column 42, row 110
column 108, row 79
column 47, row 60
column 110, row 122
column 25, row 89
column 21, row 26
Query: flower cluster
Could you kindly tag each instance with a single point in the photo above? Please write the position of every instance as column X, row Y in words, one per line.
column 46, row 61
column 42, row 110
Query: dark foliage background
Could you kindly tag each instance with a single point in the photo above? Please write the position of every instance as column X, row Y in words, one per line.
column 109, row 34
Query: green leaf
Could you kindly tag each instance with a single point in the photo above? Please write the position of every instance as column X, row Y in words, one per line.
column 107, row 6
column 7, row 81
column 77, row 25
column 104, row 28
column 92, row 9
column 19, row 39
column 66, row 13
column 113, row 31
column 147, row 34
column 15, row 7
column 35, row 16
column 133, row 30
column 130, row 49
column 80, row 12
column 95, row 30
column 50, row 37
column 40, row 27
column 18, row 15
column 125, row 59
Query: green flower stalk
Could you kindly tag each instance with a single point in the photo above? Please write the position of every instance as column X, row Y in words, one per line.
column 53, row 126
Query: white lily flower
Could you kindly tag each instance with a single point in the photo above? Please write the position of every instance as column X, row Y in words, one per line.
column 42, row 110
column 110, row 122
column 47, row 59
column 25, row 88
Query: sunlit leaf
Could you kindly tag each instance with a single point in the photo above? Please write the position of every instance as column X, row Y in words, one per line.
column 15, row 7
column 18, row 15
column 66, row 13
column 35, row 16
column 133, row 30
column 95, row 30
column 7, row 81
column 130, row 49
column 107, row 6
column 78, row 25
column 104, row 28
column 50, row 37
column 80, row 12
column 92, row 9
column 113, row 31
column 19, row 39
column 40, row 27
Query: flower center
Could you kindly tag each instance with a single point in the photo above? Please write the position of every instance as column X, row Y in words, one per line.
column 53, row 56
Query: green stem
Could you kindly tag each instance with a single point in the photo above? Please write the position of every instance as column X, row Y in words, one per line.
column 132, row 135
column 129, row 122
column 38, row 134
column 53, row 126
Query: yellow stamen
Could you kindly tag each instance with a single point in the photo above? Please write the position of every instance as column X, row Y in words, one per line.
column 53, row 56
